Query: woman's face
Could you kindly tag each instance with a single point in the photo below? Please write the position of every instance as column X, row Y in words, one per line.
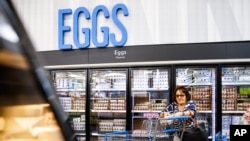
column 180, row 97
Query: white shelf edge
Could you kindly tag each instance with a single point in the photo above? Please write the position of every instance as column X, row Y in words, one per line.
column 243, row 83
column 112, row 111
column 109, row 98
column 144, row 111
column 114, row 89
column 194, row 84
column 147, row 111
column 147, row 89
column 83, row 134
column 233, row 112
column 204, row 111
column 97, row 134
column 70, row 90
column 74, row 110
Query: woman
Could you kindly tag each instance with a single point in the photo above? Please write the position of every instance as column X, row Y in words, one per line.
column 181, row 106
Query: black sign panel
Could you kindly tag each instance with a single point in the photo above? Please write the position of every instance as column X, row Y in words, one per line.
column 147, row 53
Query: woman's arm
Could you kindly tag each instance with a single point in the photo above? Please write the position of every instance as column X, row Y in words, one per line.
column 185, row 113
column 166, row 112
column 190, row 109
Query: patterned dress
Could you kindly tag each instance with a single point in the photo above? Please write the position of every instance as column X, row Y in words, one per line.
column 173, row 108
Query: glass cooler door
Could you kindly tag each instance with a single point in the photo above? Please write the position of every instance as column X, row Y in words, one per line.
column 70, row 85
column 108, row 90
column 235, row 95
column 201, row 83
column 149, row 94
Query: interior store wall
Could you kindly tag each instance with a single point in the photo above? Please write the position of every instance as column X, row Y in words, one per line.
column 149, row 22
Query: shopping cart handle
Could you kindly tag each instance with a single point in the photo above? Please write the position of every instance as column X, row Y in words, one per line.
column 178, row 117
column 117, row 132
column 169, row 130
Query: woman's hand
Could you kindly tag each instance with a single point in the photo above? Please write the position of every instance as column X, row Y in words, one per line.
column 183, row 113
column 179, row 114
column 167, row 114
column 164, row 114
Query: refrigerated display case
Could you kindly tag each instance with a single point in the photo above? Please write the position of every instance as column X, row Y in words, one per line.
column 235, row 95
column 201, row 83
column 108, row 101
column 70, row 85
column 150, row 89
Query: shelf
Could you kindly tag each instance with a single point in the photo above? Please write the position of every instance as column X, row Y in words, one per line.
column 80, row 134
column 242, row 99
column 235, row 83
column 144, row 111
column 108, row 111
column 74, row 111
column 204, row 111
column 98, row 134
column 79, row 130
column 233, row 112
column 108, row 98
column 195, row 84
column 108, row 89
column 203, row 98
column 69, row 90
column 149, row 89
column 142, row 117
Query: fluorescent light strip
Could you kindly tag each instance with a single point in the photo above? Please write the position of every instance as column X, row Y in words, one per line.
column 150, row 63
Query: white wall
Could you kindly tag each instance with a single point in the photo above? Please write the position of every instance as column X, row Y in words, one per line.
column 149, row 21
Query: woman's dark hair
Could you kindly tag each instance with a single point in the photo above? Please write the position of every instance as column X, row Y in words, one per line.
column 184, row 90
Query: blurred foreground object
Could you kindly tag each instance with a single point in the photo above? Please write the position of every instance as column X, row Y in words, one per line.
column 29, row 108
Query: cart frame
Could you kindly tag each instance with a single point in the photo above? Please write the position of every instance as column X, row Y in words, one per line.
column 174, row 125
column 159, row 129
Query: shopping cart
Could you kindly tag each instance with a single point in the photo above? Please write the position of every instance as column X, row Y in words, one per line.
column 162, row 129
column 220, row 137
column 170, row 129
